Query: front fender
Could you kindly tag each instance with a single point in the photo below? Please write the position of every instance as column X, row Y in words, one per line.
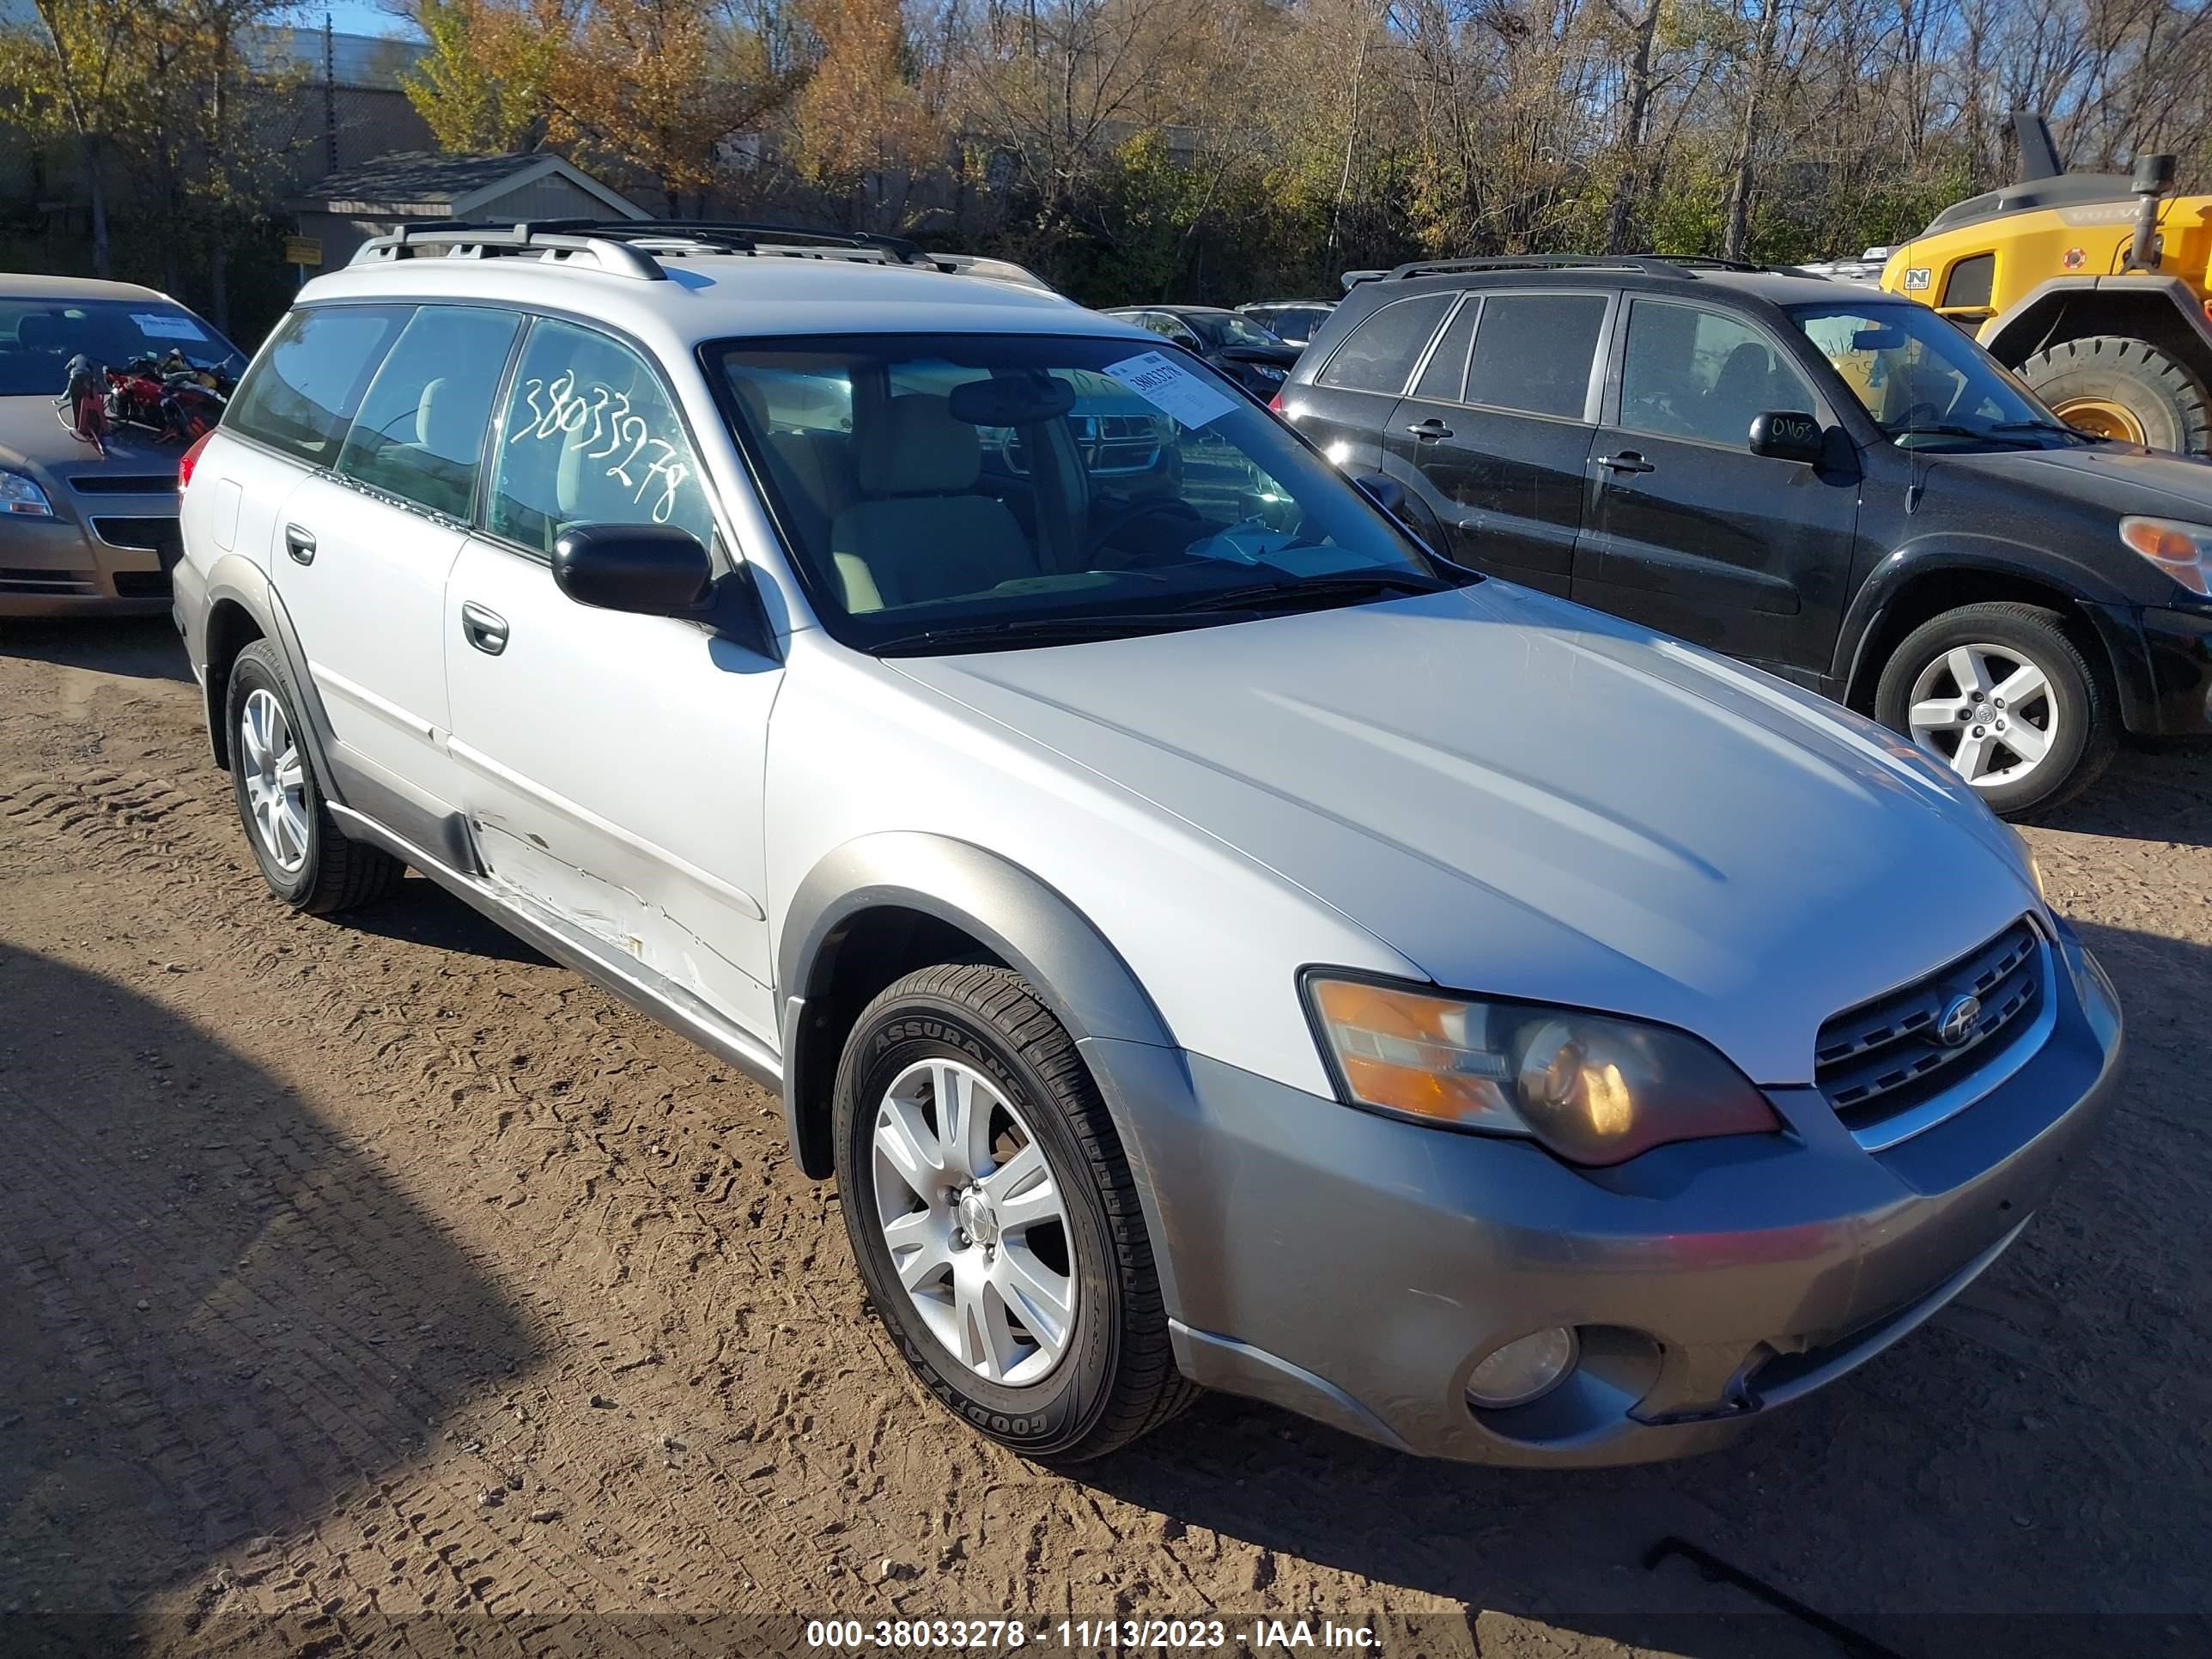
column 1950, row 553
column 1018, row 917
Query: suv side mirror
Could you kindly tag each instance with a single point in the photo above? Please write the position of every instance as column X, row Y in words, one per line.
column 653, row 569
column 1785, row 435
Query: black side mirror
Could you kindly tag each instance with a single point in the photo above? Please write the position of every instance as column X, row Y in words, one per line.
column 653, row 569
column 1783, row 435
column 1386, row 493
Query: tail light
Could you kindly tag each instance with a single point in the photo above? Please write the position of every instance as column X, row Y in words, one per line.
column 1275, row 403
column 190, row 459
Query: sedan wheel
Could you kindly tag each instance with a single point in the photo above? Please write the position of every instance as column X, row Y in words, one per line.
column 275, row 781
column 1987, row 711
column 976, row 1229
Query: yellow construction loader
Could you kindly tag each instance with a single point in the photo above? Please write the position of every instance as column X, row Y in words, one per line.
column 2091, row 285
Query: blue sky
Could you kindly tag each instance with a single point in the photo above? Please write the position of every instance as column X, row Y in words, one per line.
column 354, row 17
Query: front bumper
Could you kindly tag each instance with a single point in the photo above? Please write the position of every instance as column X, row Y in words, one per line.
column 114, row 562
column 1355, row 1268
column 2162, row 658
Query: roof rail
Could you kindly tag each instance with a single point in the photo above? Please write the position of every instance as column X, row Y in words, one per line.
column 628, row 248
column 1687, row 265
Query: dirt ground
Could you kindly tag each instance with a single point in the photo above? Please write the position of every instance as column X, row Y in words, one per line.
column 360, row 1281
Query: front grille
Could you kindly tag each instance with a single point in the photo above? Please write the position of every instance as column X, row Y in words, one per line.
column 161, row 536
column 17, row 579
column 141, row 584
column 124, row 483
column 1885, row 1057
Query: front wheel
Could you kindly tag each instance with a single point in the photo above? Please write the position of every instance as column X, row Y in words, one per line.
column 994, row 1219
column 2003, row 696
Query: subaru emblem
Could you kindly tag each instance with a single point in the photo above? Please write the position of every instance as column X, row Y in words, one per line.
column 1957, row 1025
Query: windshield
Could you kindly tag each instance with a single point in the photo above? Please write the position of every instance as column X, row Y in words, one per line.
column 1924, row 382
column 951, row 492
column 1294, row 324
column 1228, row 329
column 38, row 337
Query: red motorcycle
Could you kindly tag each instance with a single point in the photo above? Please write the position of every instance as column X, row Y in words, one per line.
column 172, row 397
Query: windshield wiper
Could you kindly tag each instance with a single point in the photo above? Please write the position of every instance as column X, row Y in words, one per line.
column 2062, row 429
column 1338, row 585
column 1983, row 435
column 1015, row 632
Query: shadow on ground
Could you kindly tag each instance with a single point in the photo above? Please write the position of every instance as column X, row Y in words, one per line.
column 420, row 912
column 2026, row 1474
column 2160, row 792
column 218, row 1320
column 136, row 647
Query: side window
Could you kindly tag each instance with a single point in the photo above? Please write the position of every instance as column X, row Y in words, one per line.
column 1444, row 376
column 1378, row 355
column 422, row 422
column 1533, row 352
column 589, row 436
column 301, row 395
column 1687, row 372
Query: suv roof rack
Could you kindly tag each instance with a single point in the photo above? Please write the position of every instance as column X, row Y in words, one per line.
column 635, row 247
column 1686, row 265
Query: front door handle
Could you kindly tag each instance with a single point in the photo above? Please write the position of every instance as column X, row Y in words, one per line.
column 1627, row 461
column 300, row 543
column 484, row 630
column 1429, row 431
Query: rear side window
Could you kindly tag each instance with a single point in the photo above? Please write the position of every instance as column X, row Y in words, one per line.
column 1378, row 354
column 422, row 422
column 1533, row 352
column 301, row 393
column 590, row 437
column 1445, row 373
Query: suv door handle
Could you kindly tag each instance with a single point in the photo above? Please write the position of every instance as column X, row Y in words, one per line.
column 300, row 543
column 484, row 630
column 1627, row 461
column 1430, row 429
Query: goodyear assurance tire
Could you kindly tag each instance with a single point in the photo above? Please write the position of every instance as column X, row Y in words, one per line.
column 994, row 1219
column 2126, row 388
column 304, row 857
column 1998, row 693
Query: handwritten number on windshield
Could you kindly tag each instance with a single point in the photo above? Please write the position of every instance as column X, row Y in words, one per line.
column 601, row 421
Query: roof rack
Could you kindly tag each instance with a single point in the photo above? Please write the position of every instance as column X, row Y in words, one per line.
column 635, row 247
column 1685, row 265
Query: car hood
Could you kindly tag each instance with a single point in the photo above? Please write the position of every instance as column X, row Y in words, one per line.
column 1527, row 798
column 33, row 440
column 2125, row 477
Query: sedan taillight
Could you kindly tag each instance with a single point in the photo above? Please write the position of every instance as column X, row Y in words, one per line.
column 190, row 459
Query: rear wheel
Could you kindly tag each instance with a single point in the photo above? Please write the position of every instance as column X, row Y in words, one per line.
column 2124, row 388
column 994, row 1219
column 304, row 856
column 1999, row 694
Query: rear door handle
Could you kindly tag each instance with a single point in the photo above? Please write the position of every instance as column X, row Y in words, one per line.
column 300, row 543
column 1627, row 461
column 484, row 630
column 1430, row 429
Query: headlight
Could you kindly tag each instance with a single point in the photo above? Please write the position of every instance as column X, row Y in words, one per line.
column 22, row 498
column 2183, row 551
column 1593, row 1088
column 1266, row 372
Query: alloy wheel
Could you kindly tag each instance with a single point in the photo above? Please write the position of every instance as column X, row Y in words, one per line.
column 975, row 1222
column 276, row 780
column 1985, row 711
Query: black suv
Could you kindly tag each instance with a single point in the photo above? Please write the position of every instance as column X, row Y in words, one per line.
column 1834, row 484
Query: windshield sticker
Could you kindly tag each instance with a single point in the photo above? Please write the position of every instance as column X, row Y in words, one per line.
column 1172, row 388
column 155, row 326
column 600, row 424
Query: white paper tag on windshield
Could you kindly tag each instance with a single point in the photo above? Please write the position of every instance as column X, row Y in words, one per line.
column 1171, row 388
column 158, row 327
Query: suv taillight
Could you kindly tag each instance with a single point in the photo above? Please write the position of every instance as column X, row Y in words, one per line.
column 1275, row 403
column 190, row 459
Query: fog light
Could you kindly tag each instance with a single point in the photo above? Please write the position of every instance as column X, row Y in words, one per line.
column 1523, row 1371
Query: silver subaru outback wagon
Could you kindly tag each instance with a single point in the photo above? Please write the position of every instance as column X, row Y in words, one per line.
column 1211, row 940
